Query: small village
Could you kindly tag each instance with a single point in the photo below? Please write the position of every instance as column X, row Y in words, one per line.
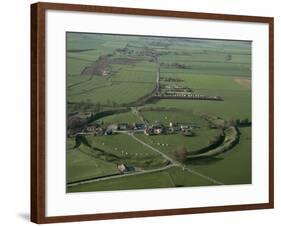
column 100, row 129
column 168, row 88
column 175, row 91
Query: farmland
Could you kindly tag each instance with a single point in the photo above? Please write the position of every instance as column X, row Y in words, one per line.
column 141, row 108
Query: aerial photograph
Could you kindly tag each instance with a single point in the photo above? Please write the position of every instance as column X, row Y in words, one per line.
column 146, row 112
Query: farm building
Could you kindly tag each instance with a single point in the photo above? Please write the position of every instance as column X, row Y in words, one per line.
column 139, row 126
column 170, row 130
column 123, row 168
column 110, row 129
column 108, row 132
column 188, row 133
column 154, row 130
column 91, row 127
column 148, row 131
column 184, row 127
column 99, row 131
column 123, row 126
column 158, row 130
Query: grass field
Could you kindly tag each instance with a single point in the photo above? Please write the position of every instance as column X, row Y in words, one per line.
column 82, row 166
column 108, row 72
column 176, row 141
column 237, row 161
column 127, row 117
column 174, row 177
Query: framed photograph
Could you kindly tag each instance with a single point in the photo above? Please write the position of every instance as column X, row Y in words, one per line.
column 141, row 112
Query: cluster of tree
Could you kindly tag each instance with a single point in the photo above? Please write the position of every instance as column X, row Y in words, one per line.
column 125, row 51
column 81, row 139
column 158, row 109
column 223, row 124
column 160, row 43
column 181, row 154
column 238, row 122
column 175, row 65
column 76, row 122
column 244, row 122
column 228, row 57
column 169, row 79
column 84, row 106
column 217, row 140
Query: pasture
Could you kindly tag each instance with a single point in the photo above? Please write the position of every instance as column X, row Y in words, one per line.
column 122, row 145
column 81, row 165
column 171, row 178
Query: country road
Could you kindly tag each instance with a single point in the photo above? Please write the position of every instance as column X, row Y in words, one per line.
column 88, row 181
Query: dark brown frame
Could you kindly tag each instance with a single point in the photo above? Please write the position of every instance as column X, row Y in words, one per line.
column 38, row 21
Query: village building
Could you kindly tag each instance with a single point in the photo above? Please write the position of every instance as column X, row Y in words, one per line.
column 123, row 126
column 139, row 126
column 123, row 168
column 188, row 133
column 170, row 130
column 108, row 132
column 76, row 122
column 105, row 72
column 158, row 130
column 71, row 132
column 99, row 131
column 184, row 126
column 90, row 128
column 148, row 131
column 154, row 130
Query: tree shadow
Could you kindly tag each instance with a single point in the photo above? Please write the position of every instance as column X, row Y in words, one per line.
column 204, row 161
column 152, row 101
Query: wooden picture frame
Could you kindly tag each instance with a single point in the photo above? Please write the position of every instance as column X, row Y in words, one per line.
column 38, row 117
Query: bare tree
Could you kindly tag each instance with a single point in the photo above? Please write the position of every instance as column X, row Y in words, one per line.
column 181, row 154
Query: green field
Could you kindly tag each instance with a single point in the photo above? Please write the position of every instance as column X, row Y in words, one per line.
column 174, row 177
column 113, row 72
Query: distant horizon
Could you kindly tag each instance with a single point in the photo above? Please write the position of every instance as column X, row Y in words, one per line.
column 158, row 36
